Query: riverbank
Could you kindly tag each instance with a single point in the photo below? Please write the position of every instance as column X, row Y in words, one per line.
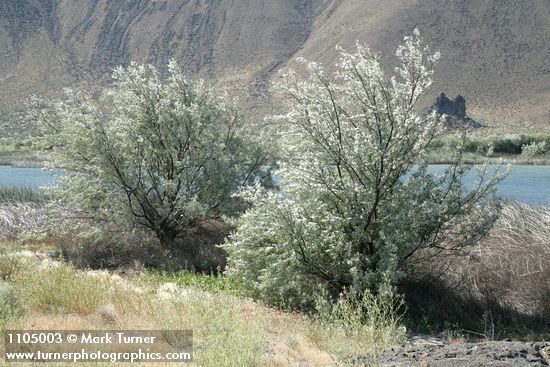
column 532, row 149
column 515, row 149
column 495, row 291
column 24, row 155
column 38, row 158
column 29, row 158
column 41, row 292
column 422, row 350
column 446, row 157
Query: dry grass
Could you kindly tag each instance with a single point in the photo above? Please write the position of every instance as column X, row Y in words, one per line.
column 513, row 263
column 357, row 329
column 17, row 220
column 228, row 330
column 503, row 283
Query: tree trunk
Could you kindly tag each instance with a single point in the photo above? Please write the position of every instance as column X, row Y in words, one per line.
column 167, row 239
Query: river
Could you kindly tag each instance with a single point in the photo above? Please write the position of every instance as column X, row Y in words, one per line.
column 527, row 183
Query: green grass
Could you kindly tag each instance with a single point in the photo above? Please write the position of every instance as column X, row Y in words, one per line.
column 226, row 330
column 203, row 282
column 478, row 149
column 59, row 289
column 22, row 194
column 359, row 328
column 23, row 153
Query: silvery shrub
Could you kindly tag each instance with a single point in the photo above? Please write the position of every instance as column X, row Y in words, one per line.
column 357, row 204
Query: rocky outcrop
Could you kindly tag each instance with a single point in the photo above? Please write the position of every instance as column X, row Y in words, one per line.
column 455, row 111
column 433, row 352
column 444, row 105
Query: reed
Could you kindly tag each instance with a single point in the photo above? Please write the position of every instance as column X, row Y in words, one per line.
column 22, row 194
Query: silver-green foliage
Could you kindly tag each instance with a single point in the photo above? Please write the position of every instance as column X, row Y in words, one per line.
column 534, row 149
column 9, row 303
column 357, row 202
column 165, row 154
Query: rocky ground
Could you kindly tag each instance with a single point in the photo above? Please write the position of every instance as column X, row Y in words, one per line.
column 422, row 351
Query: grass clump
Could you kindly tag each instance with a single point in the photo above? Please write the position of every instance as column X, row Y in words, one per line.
column 227, row 331
column 357, row 329
column 59, row 289
column 499, row 290
column 22, row 194
column 18, row 221
column 10, row 264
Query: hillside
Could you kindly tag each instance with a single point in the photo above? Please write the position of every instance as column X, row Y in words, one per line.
column 494, row 52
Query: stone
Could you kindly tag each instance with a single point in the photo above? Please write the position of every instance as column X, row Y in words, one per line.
column 108, row 314
column 455, row 110
column 444, row 105
column 467, row 354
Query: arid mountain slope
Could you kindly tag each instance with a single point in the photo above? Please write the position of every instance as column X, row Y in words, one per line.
column 495, row 52
column 48, row 44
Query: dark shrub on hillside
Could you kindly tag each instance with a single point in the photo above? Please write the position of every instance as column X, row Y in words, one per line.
column 505, row 146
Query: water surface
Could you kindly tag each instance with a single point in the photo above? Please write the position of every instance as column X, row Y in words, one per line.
column 527, row 183
column 30, row 177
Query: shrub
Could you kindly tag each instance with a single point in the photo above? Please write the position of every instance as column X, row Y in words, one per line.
column 9, row 303
column 534, row 149
column 108, row 248
column 505, row 146
column 163, row 155
column 357, row 202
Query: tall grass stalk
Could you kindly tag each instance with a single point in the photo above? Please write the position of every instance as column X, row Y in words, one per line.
column 227, row 331
column 357, row 329
column 22, row 194
column 508, row 272
column 20, row 219
column 59, row 289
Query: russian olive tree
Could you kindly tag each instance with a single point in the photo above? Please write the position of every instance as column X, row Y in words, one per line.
column 163, row 154
column 357, row 202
